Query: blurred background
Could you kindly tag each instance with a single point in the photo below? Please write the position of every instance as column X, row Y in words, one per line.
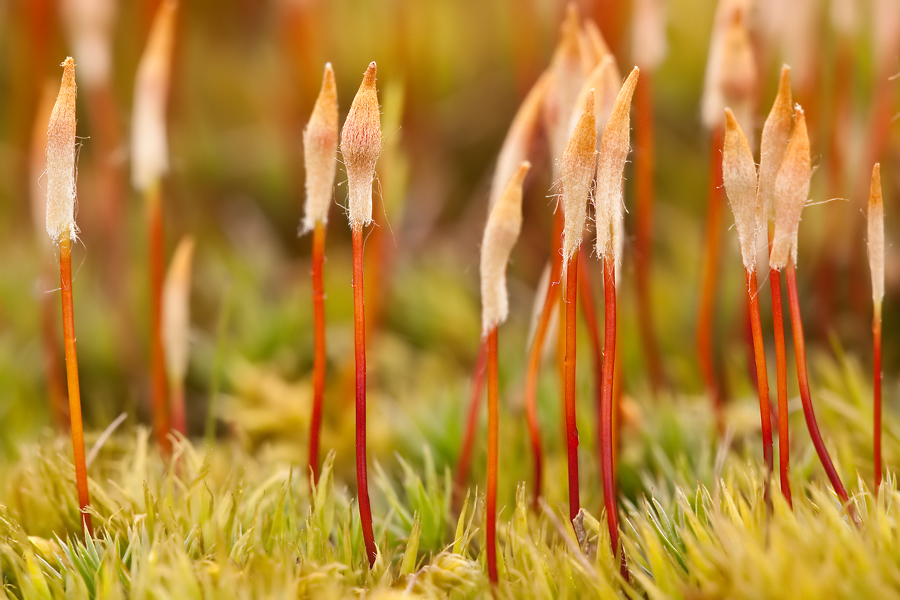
column 451, row 74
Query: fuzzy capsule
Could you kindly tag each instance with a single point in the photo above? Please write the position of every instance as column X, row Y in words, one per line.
column 737, row 77
column 61, row 160
column 774, row 141
column 176, row 316
column 740, row 179
column 595, row 41
column 149, row 142
column 90, row 23
column 579, row 162
column 500, row 234
column 648, row 40
column 886, row 32
column 519, row 138
column 727, row 52
column 360, row 147
column 566, row 77
column 608, row 199
column 791, row 193
column 875, row 218
column 320, row 139
column 603, row 82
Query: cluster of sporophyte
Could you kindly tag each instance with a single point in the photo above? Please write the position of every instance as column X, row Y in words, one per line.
column 175, row 522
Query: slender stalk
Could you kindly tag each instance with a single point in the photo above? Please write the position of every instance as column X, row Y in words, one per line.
column 157, row 353
column 784, row 447
column 644, row 191
column 359, row 331
column 376, row 278
column 607, row 457
column 534, row 369
column 493, row 450
column 762, row 380
column 805, row 397
column 706, row 312
column 534, row 356
column 571, row 426
column 877, row 375
column 68, row 319
column 589, row 312
column 465, row 451
column 318, row 293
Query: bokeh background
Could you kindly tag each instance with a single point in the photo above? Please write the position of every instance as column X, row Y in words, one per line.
column 451, row 74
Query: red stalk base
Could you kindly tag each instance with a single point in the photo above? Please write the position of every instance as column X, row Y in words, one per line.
column 706, row 313
column 468, row 441
column 535, row 351
column 571, row 427
column 805, row 397
column 590, row 320
column 876, row 407
column 68, row 320
column 157, row 353
column 493, row 450
column 534, row 369
column 359, row 331
column 319, row 358
column 762, row 380
column 784, row 447
column 607, row 456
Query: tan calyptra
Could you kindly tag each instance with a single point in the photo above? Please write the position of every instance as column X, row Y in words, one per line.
column 566, row 77
column 740, row 178
column 791, row 193
column 730, row 71
column 608, row 199
column 577, row 169
column 61, row 160
column 517, row 144
column 603, row 83
column 320, row 140
column 875, row 237
column 774, row 142
column 360, row 148
column 648, row 38
column 149, row 141
column 500, row 235
column 90, row 23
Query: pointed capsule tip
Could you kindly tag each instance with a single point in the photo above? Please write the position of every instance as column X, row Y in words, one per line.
column 369, row 78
